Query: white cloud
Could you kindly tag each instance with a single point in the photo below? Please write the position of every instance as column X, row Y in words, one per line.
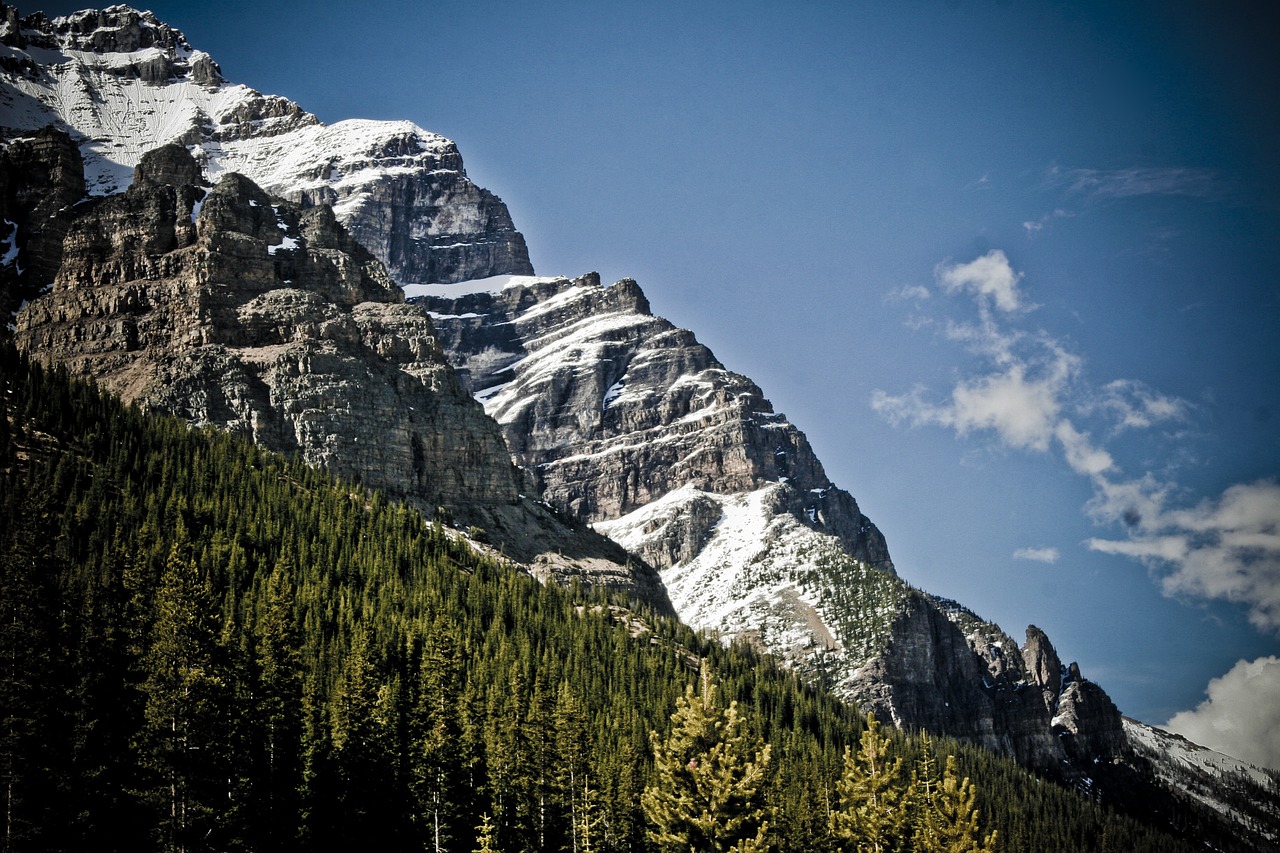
column 1081, row 455
column 990, row 276
column 1021, row 400
column 1033, row 225
column 1241, row 717
column 1040, row 555
column 1227, row 549
column 1021, row 410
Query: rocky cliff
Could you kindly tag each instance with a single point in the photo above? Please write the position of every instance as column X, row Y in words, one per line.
column 41, row 178
column 629, row 423
column 122, row 82
column 225, row 306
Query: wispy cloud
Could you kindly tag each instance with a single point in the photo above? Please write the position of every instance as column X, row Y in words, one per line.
column 1034, row 225
column 1134, row 405
column 908, row 293
column 1039, row 555
column 1029, row 392
column 1138, row 181
column 1241, row 715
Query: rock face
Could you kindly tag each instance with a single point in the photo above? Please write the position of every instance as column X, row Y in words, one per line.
column 122, row 83
column 629, row 423
column 227, row 307
column 41, row 177
column 612, row 408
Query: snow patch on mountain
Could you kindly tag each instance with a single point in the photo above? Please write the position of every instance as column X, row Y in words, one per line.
column 492, row 285
column 134, row 84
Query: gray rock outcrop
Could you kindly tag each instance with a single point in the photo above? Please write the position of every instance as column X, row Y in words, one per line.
column 610, row 408
column 41, row 178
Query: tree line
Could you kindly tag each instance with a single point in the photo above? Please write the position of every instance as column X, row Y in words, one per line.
column 206, row 646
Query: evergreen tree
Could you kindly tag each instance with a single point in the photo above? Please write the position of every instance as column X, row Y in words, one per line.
column 361, row 747
column 186, row 690
column 485, row 837
column 29, row 675
column 950, row 819
column 709, row 774
column 436, row 761
column 570, row 756
column 279, row 708
column 874, row 797
column 587, row 820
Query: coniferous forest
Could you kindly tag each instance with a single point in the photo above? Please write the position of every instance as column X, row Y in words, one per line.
column 206, row 646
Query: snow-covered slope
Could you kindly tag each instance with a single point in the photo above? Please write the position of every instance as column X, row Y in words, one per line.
column 763, row 575
column 123, row 83
column 1243, row 793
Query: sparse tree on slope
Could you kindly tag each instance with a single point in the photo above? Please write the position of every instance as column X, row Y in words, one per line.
column 708, row 795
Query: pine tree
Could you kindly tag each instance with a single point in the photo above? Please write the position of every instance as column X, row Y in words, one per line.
column 924, row 806
column 570, row 745
column 873, row 816
column 360, row 729
column 587, row 819
column 952, row 819
column 29, row 674
column 708, row 795
column 279, row 707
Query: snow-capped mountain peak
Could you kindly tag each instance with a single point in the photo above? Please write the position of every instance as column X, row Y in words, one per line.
column 123, row 83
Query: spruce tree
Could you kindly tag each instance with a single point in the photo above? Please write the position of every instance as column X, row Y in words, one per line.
column 708, row 794
column 30, row 672
column 485, row 837
column 279, row 707
column 436, row 761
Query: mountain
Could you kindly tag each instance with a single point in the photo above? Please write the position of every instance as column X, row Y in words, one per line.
column 225, row 649
column 225, row 306
column 634, row 426
column 223, row 286
column 122, row 83
column 229, row 306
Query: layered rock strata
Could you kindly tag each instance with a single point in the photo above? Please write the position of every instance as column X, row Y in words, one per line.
column 225, row 306
column 41, row 178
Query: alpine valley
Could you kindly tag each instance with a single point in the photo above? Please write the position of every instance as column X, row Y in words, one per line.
column 346, row 295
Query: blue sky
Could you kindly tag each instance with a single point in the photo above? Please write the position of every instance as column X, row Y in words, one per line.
column 1010, row 265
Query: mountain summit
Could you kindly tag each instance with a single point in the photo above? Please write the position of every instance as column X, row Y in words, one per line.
column 122, row 83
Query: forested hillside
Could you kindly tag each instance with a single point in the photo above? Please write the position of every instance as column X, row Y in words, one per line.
column 206, row 646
